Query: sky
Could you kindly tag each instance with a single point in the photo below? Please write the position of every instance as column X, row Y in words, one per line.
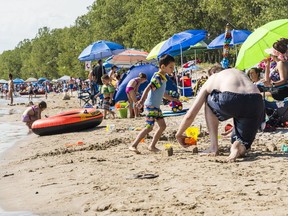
column 21, row 19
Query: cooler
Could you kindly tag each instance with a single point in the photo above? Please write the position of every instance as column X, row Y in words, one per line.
column 188, row 92
column 186, row 81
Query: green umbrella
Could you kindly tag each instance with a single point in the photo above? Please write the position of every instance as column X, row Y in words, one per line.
column 253, row 49
column 154, row 52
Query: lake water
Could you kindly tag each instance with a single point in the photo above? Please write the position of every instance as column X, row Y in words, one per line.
column 11, row 133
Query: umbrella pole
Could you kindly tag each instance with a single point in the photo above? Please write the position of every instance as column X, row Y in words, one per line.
column 182, row 69
column 195, row 63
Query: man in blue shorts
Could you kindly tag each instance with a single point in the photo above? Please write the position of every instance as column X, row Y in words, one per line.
column 227, row 94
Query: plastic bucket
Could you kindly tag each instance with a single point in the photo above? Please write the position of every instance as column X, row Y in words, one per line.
column 192, row 132
column 123, row 112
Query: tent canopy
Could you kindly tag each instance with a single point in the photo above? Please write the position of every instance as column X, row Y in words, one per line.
column 134, row 71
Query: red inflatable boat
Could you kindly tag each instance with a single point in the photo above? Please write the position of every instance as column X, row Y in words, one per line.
column 70, row 121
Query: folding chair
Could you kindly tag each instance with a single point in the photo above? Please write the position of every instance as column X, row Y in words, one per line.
column 85, row 97
column 276, row 110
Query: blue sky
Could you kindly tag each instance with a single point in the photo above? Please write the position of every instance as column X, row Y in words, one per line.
column 21, row 19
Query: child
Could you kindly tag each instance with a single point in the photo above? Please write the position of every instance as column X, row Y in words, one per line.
column 118, row 79
column 132, row 91
column 108, row 91
column 33, row 113
column 154, row 93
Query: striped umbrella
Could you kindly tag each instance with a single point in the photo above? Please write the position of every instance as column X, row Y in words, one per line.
column 128, row 57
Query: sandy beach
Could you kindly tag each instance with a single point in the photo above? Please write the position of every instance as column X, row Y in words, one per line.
column 52, row 175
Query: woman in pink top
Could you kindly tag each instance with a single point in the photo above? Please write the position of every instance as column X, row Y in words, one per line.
column 33, row 113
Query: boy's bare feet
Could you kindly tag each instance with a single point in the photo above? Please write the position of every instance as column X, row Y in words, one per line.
column 237, row 150
column 131, row 148
column 153, row 149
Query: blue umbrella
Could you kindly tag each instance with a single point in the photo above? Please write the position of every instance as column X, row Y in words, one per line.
column 100, row 49
column 41, row 80
column 18, row 81
column 181, row 41
column 107, row 65
column 238, row 37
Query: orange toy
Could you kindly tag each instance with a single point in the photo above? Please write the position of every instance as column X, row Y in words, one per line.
column 190, row 141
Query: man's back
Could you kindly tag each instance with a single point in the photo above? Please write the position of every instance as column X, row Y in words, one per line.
column 231, row 80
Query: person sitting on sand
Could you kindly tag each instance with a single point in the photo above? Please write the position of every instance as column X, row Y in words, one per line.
column 227, row 94
column 108, row 91
column 132, row 91
column 33, row 113
column 151, row 99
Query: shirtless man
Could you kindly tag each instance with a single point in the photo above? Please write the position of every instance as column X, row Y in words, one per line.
column 227, row 94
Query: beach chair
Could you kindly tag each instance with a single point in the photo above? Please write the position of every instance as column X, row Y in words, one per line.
column 199, row 83
column 85, row 97
column 276, row 110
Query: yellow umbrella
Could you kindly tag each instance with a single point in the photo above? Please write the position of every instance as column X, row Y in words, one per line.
column 154, row 52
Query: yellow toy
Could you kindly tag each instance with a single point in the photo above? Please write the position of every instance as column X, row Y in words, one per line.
column 183, row 99
column 192, row 134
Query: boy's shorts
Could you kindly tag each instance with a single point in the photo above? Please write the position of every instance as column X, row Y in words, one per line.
column 247, row 111
column 152, row 114
column 106, row 103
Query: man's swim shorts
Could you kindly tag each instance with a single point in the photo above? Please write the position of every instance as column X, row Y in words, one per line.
column 247, row 111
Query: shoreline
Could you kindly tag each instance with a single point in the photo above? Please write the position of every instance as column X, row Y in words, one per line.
column 98, row 177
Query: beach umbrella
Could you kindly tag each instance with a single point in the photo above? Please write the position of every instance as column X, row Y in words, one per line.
column 154, row 52
column 107, row 65
column 181, row 41
column 31, row 79
column 18, row 81
column 238, row 37
column 64, row 78
column 100, row 49
column 128, row 57
column 253, row 49
column 2, row 81
column 192, row 67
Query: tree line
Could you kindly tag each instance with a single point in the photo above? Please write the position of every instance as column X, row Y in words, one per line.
column 139, row 24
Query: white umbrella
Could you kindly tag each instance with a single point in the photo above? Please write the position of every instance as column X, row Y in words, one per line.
column 31, row 79
column 2, row 81
column 64, row 78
